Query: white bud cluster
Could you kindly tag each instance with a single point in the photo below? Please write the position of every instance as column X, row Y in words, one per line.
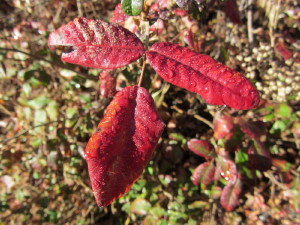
column 277, row 80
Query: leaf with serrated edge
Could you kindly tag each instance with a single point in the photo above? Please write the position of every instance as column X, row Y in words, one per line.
column 226, row 168
column 204, row 173
column 202, row 148
column 96, row 44
column 121, row 147
column 215, row 82
column 230, row 195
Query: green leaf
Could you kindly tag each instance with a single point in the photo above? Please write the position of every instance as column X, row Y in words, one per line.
column 52, row 110
column 40, row 117
column 71, row 112
column 26, row 88
column 38, row 102
column 140, row 206
column 241, row 157
column 278, row 125
column 132, row 7
column 283, row 110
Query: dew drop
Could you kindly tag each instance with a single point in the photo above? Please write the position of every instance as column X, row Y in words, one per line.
column 193, row 83
column 153, row 116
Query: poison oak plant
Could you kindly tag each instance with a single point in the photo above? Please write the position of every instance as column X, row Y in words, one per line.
column 231, row 133
column 126, row 137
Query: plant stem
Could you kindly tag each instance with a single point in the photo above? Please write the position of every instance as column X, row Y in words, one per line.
column 145, row 27
column 142, row 73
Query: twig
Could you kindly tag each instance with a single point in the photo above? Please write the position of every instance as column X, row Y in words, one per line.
column 50, row 62
column 249, row 23
column 212, row 220
column 273, row 179
column 142, row 73
column 26, row 131
column 79, row 8
column 208, row 123
column 144, row 62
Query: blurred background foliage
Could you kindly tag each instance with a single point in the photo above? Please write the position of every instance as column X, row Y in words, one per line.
column 48, row 110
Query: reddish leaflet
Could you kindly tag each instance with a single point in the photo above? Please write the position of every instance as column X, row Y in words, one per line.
column 97, row 44
column 215, row 82
column 123, row 143
column 127, row 135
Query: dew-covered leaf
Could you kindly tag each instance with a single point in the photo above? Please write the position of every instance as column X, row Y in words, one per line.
column 259, row 156
column 122, row 146
column 107, row 84
column 202, row 148
column 96, row 44
column 132, row 7
column 215, row 82
column 204, row 173
column 230, row 195
column 226, row 168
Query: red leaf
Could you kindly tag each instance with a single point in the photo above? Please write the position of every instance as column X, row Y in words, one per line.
column 107, row 85
column 230, row 195
column 157, row 27
column 259, row 156
column 97, row 44
column 192, row 41
column 204, row 173
column 202, row 148
column 283, row 50
column 234, row 140
column 223, row 126
column 118, row 16
column 215, row 82
column 226, row 168
column 232, row 11
column 123, row 144
column 254, row 129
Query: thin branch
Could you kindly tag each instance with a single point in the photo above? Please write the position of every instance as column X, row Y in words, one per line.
column 273, row 179
column 208, row 123
column 31, row 128
column 142, row 73
column 51, row 62
column 249, row 23
column 200, row 118
column 79, row 7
